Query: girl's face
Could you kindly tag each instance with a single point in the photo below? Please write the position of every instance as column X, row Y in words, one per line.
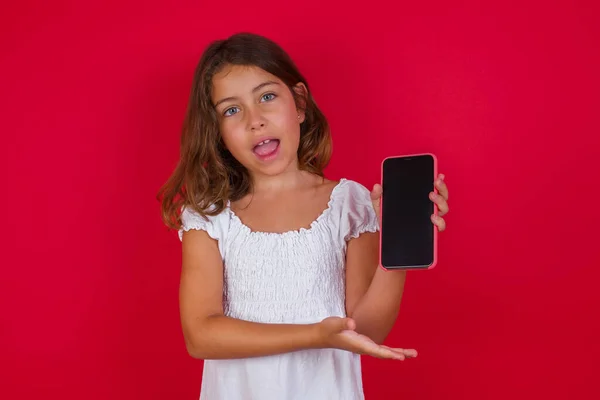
column 258, row 119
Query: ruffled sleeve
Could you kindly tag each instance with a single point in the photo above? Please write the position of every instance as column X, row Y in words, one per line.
column 190, row 219
column 358, row 214
column 216, row 226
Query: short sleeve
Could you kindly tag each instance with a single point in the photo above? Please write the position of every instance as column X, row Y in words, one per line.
column 358, row 214
column 216, row 226
column 190, row 220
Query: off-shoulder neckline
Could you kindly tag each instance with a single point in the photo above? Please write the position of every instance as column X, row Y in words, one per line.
column 317, row 221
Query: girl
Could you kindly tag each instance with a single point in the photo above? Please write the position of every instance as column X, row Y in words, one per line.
column 280, row 286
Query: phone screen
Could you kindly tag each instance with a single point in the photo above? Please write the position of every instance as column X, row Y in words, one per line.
column 407, row 233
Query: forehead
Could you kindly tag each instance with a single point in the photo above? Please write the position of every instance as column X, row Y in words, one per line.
column 238, row 80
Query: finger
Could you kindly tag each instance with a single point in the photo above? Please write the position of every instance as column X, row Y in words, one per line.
column 406, row 352
column 441, row 186
column 439, row 222
column 440, row 202
column 389, row 353
column 376, row 192
column 372, row 349
column 412, row 353
column 375, row 198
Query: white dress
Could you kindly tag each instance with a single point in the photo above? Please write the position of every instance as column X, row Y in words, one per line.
column 291, row 277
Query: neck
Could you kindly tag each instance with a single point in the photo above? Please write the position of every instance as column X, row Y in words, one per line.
column 289, row 179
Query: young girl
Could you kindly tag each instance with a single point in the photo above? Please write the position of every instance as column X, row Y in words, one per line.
column 280, row 286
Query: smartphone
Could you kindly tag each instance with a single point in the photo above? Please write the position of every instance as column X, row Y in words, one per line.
column 408, row 236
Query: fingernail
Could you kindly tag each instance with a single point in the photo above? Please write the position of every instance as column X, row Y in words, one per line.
column 442, row 176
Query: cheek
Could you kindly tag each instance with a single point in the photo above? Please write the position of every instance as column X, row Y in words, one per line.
column 288, row 121
column 294, row 129
column 233, row 136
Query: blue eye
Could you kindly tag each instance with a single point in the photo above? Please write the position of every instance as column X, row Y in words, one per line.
column 268, row 97
column 231, row 111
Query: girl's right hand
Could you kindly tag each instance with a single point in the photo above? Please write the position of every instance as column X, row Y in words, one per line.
column 339, row 333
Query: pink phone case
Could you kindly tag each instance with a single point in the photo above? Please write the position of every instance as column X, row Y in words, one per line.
column 435, row 211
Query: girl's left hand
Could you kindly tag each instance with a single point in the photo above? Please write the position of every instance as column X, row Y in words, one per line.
column 440, row 200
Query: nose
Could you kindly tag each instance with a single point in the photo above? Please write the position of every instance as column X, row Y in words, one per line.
column 256, row 120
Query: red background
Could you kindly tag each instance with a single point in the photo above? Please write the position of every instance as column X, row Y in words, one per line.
column 92, row 99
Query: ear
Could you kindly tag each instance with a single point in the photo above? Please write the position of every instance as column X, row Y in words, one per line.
column 301, row 99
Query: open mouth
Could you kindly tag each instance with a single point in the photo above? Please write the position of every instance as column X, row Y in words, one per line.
column 266, row 149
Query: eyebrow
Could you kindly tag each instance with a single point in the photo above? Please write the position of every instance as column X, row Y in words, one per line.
column 256, row 89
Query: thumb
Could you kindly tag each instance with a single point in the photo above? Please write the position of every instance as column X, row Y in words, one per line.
column 376, row 197
column 345, row 324
column 349, row 324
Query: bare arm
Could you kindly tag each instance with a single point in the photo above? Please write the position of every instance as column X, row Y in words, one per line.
column 373, row 295
column 211, row 335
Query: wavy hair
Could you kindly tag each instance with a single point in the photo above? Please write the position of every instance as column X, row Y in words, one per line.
column 207, row 176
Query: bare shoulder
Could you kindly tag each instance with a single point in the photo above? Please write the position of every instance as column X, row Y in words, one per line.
column 324, row 185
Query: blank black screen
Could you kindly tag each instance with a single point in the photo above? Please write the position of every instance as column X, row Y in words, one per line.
column 406, row 227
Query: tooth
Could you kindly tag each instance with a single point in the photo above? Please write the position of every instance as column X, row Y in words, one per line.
column 266, row 141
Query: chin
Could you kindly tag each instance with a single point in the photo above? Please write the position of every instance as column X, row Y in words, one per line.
column 274, row 169
column 278, row 166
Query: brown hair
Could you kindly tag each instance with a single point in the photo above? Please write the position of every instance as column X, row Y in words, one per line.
column 207, row 175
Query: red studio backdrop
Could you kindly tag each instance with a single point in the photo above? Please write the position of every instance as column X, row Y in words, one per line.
column 92, row 96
